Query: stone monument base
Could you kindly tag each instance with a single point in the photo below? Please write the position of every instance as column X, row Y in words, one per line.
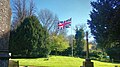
column 87, row 63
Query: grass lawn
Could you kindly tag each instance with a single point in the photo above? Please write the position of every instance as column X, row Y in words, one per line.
column 61, row 61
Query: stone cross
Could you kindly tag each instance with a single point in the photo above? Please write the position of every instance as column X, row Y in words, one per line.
column 5, row 17
column 87, row 46
column 87, row 62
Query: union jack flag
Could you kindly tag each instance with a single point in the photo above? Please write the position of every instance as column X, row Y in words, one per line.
column 61, row 25
column 67, row 23
column 64, row 24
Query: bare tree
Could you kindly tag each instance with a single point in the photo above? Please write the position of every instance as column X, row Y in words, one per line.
column 48, row 20
column 20, row 11
column 31, row 10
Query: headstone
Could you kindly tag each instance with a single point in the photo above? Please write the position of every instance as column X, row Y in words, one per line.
column 5, row 16
column 13, row 63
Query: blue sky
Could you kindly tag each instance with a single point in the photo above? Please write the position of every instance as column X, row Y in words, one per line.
column 78, row 10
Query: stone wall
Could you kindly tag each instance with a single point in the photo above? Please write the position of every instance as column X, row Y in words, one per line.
column 5, row 16
column 4, row 24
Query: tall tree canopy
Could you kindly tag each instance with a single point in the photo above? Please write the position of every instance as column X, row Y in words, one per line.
column 105, row 22
column 79, row 37
column 28, row 39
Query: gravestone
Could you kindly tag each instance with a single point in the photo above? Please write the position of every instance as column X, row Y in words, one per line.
column 5, row 17
column 13, row 63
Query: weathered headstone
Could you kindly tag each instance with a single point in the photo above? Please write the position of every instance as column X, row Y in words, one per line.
column 5, row 16
column 13, row 63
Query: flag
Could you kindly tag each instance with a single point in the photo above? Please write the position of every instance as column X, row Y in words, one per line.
column 64, row 24
column 61, row 25
column 67, row 23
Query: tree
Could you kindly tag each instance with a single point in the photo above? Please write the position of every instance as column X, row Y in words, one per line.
column 20, row 11
column 71, row 39
column 79, row 37
column 28, row 39
column 105, row 22
column 48, row 20
column 114, row 53
column 58, row 44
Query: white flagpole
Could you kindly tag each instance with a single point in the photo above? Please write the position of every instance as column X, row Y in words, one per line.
column 71, row 39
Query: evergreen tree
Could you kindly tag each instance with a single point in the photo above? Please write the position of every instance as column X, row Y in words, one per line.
column 114, row 53
column 79, row 37
column 105, row 25
column 105, row 22
column 28, row 39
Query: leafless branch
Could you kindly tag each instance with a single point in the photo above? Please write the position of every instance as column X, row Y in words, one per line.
column 20, row 11
column 48, row 20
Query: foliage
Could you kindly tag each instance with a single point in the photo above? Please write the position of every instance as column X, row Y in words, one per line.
column 67, row 52
column 114, row 53
column 59, row 43
column 99, row 55
column 28, row 39
column 70, row 51
column 61, row 61
column 79, row 45
column 105, row 22
column 105, row 25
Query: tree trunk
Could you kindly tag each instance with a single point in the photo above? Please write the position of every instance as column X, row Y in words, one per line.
column 5, row 16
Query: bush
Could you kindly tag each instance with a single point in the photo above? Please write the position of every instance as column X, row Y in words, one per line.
column 114, row 53
column 93, row 58
column 99, row 55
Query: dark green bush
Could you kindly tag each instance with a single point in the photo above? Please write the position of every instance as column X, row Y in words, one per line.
column 99, row 55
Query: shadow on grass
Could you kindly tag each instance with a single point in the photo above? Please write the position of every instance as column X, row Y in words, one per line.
column 26, row 57
column 34, row 66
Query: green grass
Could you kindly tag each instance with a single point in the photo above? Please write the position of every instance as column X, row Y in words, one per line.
column 61, row 61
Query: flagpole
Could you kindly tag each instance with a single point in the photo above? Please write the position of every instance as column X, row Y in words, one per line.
column 64, row 25
column 71, row 40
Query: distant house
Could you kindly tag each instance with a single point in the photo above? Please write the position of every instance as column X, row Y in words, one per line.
column 92, row 46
